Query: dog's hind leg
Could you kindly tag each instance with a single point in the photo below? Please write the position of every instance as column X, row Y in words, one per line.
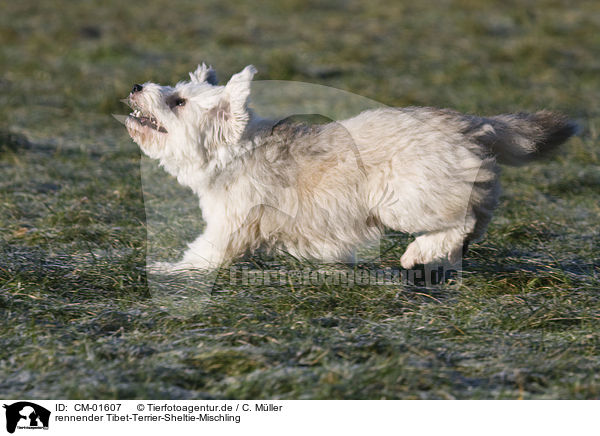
column 440, row 245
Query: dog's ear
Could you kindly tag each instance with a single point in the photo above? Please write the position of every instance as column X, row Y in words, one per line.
column 238, row 87
column 230, row 116
column 204, row 74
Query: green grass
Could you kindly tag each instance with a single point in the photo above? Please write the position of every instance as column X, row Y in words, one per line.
column 78, row 315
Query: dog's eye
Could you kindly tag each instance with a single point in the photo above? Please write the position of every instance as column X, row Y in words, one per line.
column 174, row 101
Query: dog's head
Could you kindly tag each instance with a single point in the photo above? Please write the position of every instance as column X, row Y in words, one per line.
column 197, row 119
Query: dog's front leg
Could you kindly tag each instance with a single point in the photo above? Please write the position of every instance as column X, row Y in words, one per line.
column 207, row 252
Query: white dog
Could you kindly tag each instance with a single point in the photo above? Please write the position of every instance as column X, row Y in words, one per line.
column 317, row 191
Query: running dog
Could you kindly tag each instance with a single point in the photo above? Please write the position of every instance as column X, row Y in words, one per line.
column 319, row 191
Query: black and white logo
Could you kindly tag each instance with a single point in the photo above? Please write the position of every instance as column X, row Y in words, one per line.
column 26, row 415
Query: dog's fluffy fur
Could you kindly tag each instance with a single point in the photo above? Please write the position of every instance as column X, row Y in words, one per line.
column 318, row 191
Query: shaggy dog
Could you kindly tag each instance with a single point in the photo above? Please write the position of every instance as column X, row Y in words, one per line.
column 318, row 191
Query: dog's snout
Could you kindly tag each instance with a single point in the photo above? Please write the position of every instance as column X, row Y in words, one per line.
column 136, row 88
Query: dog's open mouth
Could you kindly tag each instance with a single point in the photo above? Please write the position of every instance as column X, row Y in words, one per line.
column 147, row 121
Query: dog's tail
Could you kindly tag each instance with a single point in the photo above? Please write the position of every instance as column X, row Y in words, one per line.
column 517, row 139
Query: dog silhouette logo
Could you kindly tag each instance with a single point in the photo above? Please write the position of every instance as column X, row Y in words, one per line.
column 26, row 415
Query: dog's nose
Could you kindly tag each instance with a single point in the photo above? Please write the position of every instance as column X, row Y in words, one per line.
column 136, row 88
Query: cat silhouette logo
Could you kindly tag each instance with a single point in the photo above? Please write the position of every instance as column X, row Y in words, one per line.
column 26, row 415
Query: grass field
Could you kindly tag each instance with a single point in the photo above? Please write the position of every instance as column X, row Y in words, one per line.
column 77, row 315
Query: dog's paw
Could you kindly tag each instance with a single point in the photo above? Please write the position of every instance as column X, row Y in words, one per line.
column 181, row 267
column 411, row 257
column 161, row 267
column 170, row 268
column 419, row 252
